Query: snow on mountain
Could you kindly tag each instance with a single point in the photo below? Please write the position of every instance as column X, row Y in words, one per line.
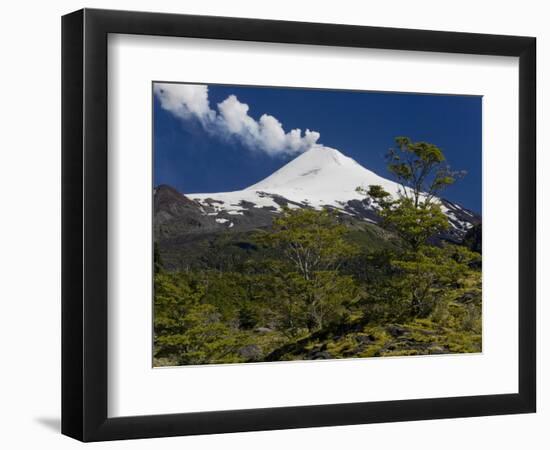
column 320, row 177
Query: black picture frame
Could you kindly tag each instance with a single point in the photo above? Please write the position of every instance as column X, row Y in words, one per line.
column 84, row 224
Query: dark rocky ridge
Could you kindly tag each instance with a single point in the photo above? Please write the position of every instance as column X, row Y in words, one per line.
column 182, row 225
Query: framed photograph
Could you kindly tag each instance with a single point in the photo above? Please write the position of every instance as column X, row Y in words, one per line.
column 273, row 225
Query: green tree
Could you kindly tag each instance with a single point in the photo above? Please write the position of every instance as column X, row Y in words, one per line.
column 415, row 225
column 424, row 274
column 289, row 291
column 428, row 276
column 310, row 240
column 311, row 243
column 329, row 297
column 186, row 330
column 420, row 168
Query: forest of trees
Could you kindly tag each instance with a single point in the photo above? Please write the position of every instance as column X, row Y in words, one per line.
column 307, row 287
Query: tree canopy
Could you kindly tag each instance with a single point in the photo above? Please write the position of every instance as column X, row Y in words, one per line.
column 420, row 168
column 315, row 285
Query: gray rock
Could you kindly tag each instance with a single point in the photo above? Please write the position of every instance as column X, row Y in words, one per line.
column 468, row 297
column 437, row 350
column 396, row 331
column 365, row 338
column 251, row 352
column 263, row 330
column 320, row 355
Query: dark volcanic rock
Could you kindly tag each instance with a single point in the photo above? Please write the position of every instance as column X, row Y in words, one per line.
column 186, row 231
column 320, row 355
column 174, row 214
column 185, row 228
column 362, row 209
column 396, row 331
column 365, row 338
column 461, row 221
column 468, row 297
column 472, row 239
column 251, row 352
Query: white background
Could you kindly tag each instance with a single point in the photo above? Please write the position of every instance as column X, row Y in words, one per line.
column 136, row 389
column 30, row 237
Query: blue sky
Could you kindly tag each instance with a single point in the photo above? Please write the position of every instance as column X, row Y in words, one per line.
column 193, row 158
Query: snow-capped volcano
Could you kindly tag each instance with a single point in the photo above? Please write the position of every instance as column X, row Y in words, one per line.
column 320, row 177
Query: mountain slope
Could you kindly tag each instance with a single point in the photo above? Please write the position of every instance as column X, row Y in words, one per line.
column 320, row 177
column 194, row 226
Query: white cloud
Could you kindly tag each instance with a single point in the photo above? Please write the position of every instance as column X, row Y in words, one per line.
column 190, row 101
column 185, row 100
column 234, row 116
column 272, row 135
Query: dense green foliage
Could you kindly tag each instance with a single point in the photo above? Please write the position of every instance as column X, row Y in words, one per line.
column 312, row 248
column 420, row 168
column 313, row 287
